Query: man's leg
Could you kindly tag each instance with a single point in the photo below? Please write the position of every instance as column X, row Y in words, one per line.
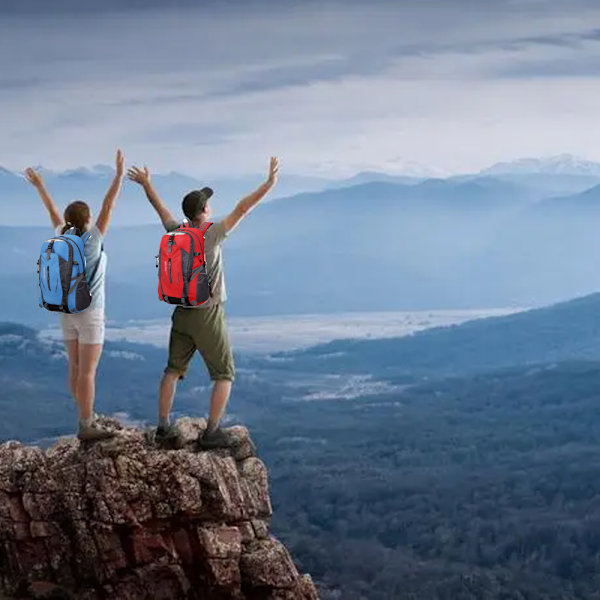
column 181, row 350
column 218, row 402
column 168, row 386
column 216, row 352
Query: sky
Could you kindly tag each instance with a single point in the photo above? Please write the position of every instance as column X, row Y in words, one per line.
column 430, row 87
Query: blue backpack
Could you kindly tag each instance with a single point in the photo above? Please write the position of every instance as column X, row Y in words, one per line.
column 61, row 267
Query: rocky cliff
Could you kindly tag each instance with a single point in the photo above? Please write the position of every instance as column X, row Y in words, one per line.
column 122, row 519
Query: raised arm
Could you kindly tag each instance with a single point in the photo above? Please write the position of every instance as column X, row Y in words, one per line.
column 36, row 180
column 142, row 176
column 246, row 204
column 111, row 196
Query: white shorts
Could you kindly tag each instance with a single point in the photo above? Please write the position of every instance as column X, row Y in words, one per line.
column 87, row 327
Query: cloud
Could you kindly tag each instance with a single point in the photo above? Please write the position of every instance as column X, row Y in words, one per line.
column 37, row 7
column 332, row 87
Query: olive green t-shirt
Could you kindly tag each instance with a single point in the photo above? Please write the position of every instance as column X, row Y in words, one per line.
column 213, row 237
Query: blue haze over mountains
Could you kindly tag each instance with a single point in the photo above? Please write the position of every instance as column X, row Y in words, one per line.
column 517, row 234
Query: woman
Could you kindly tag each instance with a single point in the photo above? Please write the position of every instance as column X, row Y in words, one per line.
column 83, row 332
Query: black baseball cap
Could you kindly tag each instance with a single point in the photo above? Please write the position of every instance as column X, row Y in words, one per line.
column 195, row 202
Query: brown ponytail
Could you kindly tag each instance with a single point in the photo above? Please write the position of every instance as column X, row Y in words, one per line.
column 77, row 214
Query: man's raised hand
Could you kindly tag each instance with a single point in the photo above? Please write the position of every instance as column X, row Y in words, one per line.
column 273, row 170
column 141, row 176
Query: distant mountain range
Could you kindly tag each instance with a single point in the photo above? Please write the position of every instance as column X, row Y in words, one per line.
column 371, row 176
column 21, row 204
column 587, row 200
column 399, row 243
column 464, row 242
column 540, row 178
column 459, row 243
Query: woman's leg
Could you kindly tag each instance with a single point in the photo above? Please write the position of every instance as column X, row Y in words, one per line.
column 91, row 340
column 89, row 356
column 73, row 354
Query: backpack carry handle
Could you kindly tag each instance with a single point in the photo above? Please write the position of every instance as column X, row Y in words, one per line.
column 75, row 231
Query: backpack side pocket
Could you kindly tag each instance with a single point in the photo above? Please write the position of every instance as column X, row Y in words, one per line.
column 200, row 285
column 83, row 298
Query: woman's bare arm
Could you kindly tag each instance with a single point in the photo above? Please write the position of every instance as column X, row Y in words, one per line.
column 108, row 204
column 36, row 180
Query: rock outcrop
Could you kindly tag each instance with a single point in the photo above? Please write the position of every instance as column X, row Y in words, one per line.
column 124, row 520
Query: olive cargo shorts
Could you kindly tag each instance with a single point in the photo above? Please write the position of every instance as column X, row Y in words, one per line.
column 201, row 329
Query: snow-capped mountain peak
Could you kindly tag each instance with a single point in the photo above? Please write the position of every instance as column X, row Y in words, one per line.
column 94, row 171
column 562, row 164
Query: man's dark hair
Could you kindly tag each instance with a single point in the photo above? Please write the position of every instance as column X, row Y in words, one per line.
column 195, row 202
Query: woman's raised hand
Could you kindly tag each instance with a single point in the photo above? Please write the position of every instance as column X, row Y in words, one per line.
column 33, row 177
column 120, row 162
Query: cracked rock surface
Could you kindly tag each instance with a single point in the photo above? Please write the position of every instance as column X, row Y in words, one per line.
column 123, row 519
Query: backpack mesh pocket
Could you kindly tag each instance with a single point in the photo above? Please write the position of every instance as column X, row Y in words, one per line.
column 83, row 297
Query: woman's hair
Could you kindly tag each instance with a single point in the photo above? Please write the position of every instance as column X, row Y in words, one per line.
column 77, row 214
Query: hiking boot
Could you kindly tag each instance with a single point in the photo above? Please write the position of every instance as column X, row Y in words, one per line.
column 214, row 439
column 169, row 437
column 95, row 433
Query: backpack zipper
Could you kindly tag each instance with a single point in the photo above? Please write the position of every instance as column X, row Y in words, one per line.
column 159, row 267
column 70, row 263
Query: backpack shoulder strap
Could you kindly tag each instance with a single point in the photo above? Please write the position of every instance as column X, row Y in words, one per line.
column 85, row 237
column 204, row 228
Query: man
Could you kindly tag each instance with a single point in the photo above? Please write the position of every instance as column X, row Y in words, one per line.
column 202, row 327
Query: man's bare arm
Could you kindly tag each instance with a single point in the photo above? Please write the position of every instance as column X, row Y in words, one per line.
column 36, row 180
column 246, row 204
column 142, row 176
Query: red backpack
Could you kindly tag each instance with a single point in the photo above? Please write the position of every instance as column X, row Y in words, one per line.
column 182, row 276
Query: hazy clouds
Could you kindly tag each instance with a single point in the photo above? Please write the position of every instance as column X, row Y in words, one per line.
column 330, row 87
